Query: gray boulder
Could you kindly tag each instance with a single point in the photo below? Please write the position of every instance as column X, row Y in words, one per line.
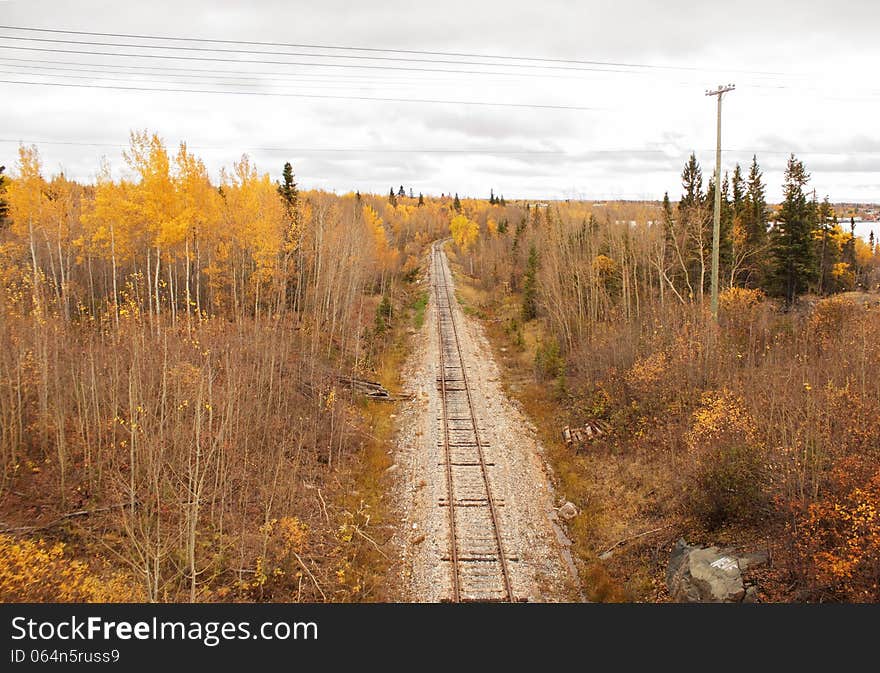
column 708, row 574
column 568, row 511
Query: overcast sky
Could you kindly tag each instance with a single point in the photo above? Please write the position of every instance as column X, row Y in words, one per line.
column 620, row 115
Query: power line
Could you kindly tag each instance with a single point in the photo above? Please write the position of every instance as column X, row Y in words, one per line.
column 234, row 81
column 306, row 150
column 387, row 50
column 303, row 95
column 287, row 63
column 91, row 43
column 200, row 72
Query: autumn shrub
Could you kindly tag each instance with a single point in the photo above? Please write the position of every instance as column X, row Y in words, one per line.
column 739, row 301
column 840, row 534
column 744, row 318
column 549, row 363
column 726, row 472
column 279, row 570
column 40, row 572
column 647, row 373
column 829, row 317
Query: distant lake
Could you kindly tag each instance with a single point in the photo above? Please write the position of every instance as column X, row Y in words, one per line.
column 863, row 229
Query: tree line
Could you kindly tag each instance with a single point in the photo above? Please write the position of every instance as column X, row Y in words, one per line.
column 796, row 248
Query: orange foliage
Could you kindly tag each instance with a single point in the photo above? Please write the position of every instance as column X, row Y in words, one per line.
column 40, row 572
column 840, row 534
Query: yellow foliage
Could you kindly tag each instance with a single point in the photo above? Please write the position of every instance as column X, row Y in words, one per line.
column 844, row 275
column 840, row 534
column 739, row 300
column 39, row 572
column 721, row 416
column 464, row 232
column 648, row 371
column 26, row 193
column 604, row 266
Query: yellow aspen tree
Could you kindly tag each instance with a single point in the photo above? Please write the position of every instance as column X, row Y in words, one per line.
column 197, row 202
column 153, row 201
column 27, row 205
column 464, row 232
column 255, row 214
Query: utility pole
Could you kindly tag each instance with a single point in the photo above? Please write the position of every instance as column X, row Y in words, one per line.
column 716, row 226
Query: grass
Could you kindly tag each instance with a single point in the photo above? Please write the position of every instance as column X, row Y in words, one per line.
column 418, row 309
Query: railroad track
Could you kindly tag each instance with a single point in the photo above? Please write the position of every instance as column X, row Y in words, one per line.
column 478, row 565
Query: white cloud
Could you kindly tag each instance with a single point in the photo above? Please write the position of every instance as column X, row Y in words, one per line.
column 823, row 103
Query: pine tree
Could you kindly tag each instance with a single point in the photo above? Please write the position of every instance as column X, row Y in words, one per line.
column 502, row 201
column 530, row 287
column 755, row 214
column 739, row 191
column 288, row 190
column 692, row 183
column 828, row 251
column 871, row 242
column 421, row 199
column 536, row 217
column 392, row 199
column 667, row 213
column 492, row 197
column 849, row 248
column 456, row 203
column 793, row 236
column 401, row 192
column 725, row 245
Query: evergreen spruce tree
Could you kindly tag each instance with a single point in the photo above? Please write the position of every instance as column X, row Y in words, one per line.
column 401, row 192
column 530, row 287
column 725, row 244
column 536, row 217
column 668, row 229
column 290, row 195
column 392, row 199
column 739, row 191
column 755, row 213
column 849, row 248
column 871, row 242
column 793, row 254
column 502, row 201
column 456, row 203
column 492, row 196
column 692, row 184
column 287, row 188
column 829, row 254
column 421, row 199
column 411, row 193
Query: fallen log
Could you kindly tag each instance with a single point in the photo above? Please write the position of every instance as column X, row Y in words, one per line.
column 371, row 389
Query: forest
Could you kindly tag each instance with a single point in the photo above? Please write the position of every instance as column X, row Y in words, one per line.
column 175, row 423
column 758, row 429
column 172, row 422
